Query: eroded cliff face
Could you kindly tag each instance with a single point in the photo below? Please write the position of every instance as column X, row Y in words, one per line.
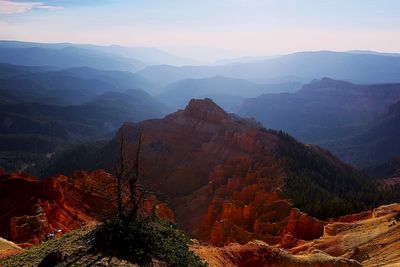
column 219, row 173
column 34, row 210
column 299, row 228
column 370, row 238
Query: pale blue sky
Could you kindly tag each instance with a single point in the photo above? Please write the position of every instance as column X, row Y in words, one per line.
column 209, row 28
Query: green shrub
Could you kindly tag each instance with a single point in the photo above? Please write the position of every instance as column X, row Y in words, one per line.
column 144, row 239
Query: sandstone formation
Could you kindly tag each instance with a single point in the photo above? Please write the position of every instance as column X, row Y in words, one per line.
column 259, row 254
column 373, row 240
column 220, row 175
column 301, row 227
column 35, row 210
column 215, row 170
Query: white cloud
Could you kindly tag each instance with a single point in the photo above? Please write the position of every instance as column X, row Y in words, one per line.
column 11, row 7
column 50, row 7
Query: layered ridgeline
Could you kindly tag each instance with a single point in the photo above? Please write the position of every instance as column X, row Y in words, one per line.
column 358, row 67
column 43, row 111
column 71, row 86
column 324, row 109
column 356, row 122
column 228, row 178
column 229, row 93
column 66, row 56
column 112, row 57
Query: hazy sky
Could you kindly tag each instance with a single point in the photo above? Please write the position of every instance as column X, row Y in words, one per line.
column 209, row 29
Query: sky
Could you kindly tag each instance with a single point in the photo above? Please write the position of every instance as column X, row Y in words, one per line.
column 209, row 29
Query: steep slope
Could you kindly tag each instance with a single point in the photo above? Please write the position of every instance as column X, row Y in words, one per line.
column 224, row 175
column 35, row 210
column 31, row 209
column 378, row 143
column 367, row 239
column 323, row 110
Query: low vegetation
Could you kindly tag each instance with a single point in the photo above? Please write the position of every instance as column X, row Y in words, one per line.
column 323, row 187
column 144, row 239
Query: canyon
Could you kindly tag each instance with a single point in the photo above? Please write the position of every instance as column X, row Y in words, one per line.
column 224, row 180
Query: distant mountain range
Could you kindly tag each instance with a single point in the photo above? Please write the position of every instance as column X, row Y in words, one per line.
column 324, row 108
column 301, row 67
column 107, row 85
column 62, row 87
column 67, row 55
column 350, row 120
column 227, row 92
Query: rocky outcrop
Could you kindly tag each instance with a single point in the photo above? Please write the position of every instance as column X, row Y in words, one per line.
column 257, row 253
column 220, row 174
column 301, row 227
column 35, row 210
column 372, row 240
column 32, row 229
column 213, row 168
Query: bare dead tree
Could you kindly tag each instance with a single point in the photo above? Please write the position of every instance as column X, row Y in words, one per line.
column 119, row 173
column 133, row 181
column 127, row 176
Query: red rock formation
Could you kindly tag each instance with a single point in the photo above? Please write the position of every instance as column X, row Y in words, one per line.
column 32, row 229
column 301, row 226
column 33, row 209
column 217, row 171
column 372, row 240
